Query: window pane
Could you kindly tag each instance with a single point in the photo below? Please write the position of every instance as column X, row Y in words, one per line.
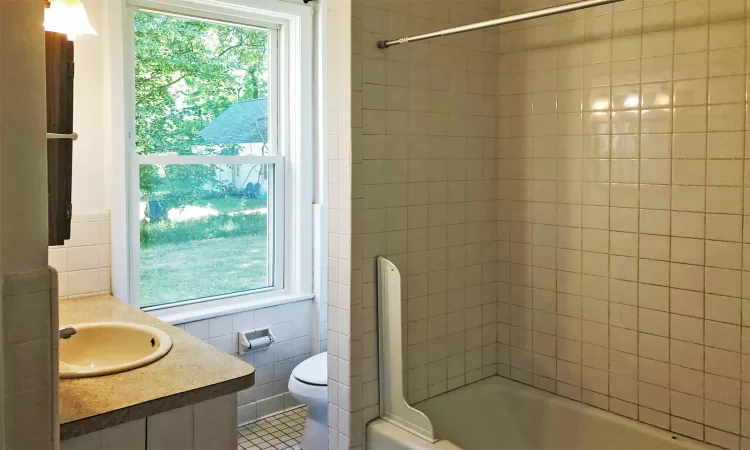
column 201, row 87
column 205, row 231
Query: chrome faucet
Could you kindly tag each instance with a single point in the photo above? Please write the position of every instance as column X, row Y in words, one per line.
column 67, row 332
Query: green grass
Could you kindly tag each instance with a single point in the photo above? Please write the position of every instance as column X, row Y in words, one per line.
column 166, row 232
column 204, row 257
column 178, row 271
column 231, row 204
column 225, row 204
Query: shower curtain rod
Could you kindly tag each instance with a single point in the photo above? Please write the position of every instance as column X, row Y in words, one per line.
column 501, row 21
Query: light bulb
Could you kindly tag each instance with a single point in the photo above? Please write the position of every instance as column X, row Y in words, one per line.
column 67, row 17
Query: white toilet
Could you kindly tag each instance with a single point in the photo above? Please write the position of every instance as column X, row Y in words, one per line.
column 309, row 384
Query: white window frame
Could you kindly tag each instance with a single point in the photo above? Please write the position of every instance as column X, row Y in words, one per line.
column 293, row 164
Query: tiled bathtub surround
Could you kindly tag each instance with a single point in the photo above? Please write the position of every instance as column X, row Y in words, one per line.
column 618, row 193
column 426, row 196
column 291, row 324
column 624, row 263
column 424, row 191
column 83, row 263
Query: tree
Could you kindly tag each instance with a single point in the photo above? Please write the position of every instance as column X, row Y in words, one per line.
column 187, row 72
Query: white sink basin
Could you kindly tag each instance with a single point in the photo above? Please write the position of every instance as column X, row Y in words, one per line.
column 104, row 348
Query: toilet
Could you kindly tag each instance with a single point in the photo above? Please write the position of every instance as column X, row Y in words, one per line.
column 309, row 385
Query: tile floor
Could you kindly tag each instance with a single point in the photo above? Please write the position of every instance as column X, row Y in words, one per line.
column 277, row 432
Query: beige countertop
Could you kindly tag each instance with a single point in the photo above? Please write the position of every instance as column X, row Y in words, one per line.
column 191, row 372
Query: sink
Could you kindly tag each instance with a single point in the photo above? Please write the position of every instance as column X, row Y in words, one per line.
column 104, row 348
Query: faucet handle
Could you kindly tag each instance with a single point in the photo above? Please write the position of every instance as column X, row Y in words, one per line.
column 67, row 332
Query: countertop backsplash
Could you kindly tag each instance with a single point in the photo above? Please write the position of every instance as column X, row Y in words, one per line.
column 83, row 263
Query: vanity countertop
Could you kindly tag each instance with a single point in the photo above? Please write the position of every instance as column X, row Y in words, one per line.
column 191, row 372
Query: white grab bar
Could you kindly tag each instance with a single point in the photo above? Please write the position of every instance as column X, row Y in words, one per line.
column 393, row 406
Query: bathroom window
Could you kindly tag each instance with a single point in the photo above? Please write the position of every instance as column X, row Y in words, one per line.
column 216, row 175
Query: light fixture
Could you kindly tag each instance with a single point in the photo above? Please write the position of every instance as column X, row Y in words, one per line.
column 67, row 17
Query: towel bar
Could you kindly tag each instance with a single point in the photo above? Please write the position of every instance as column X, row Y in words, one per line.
column 71, row 136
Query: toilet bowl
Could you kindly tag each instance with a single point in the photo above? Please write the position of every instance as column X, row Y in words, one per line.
column 309, row 385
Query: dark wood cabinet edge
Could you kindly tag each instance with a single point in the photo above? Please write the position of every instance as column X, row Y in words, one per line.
column 60, row 70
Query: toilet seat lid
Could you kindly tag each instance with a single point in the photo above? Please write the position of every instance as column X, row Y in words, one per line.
column 313, row 370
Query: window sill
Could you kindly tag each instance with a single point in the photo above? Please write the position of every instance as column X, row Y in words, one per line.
column 208, row 310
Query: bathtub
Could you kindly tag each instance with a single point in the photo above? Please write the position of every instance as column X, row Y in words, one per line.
column 492, row 414
column 497, row 413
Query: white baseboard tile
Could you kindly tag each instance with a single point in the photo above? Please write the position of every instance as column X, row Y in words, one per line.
column 261, row 409
column 270, row 406
column 246, row 414
column 290, row 402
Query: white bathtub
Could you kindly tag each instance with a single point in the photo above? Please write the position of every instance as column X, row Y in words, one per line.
column 499, row 414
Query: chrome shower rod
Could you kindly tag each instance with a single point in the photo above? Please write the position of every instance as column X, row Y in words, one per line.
column 501, row 21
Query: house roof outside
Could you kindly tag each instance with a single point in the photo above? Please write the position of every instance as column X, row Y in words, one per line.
column 244, row 122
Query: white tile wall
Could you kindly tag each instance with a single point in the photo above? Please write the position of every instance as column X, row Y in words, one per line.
column 30, row 364
column 28, row 291
column 83, row 263
column 291, row 324
column 423, row 194
column 623, row 186
column 343, row 345
column 320, row 302
column 618, row 274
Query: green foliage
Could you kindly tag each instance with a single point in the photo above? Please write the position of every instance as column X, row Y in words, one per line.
column 221, row 226
column 186, row 73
